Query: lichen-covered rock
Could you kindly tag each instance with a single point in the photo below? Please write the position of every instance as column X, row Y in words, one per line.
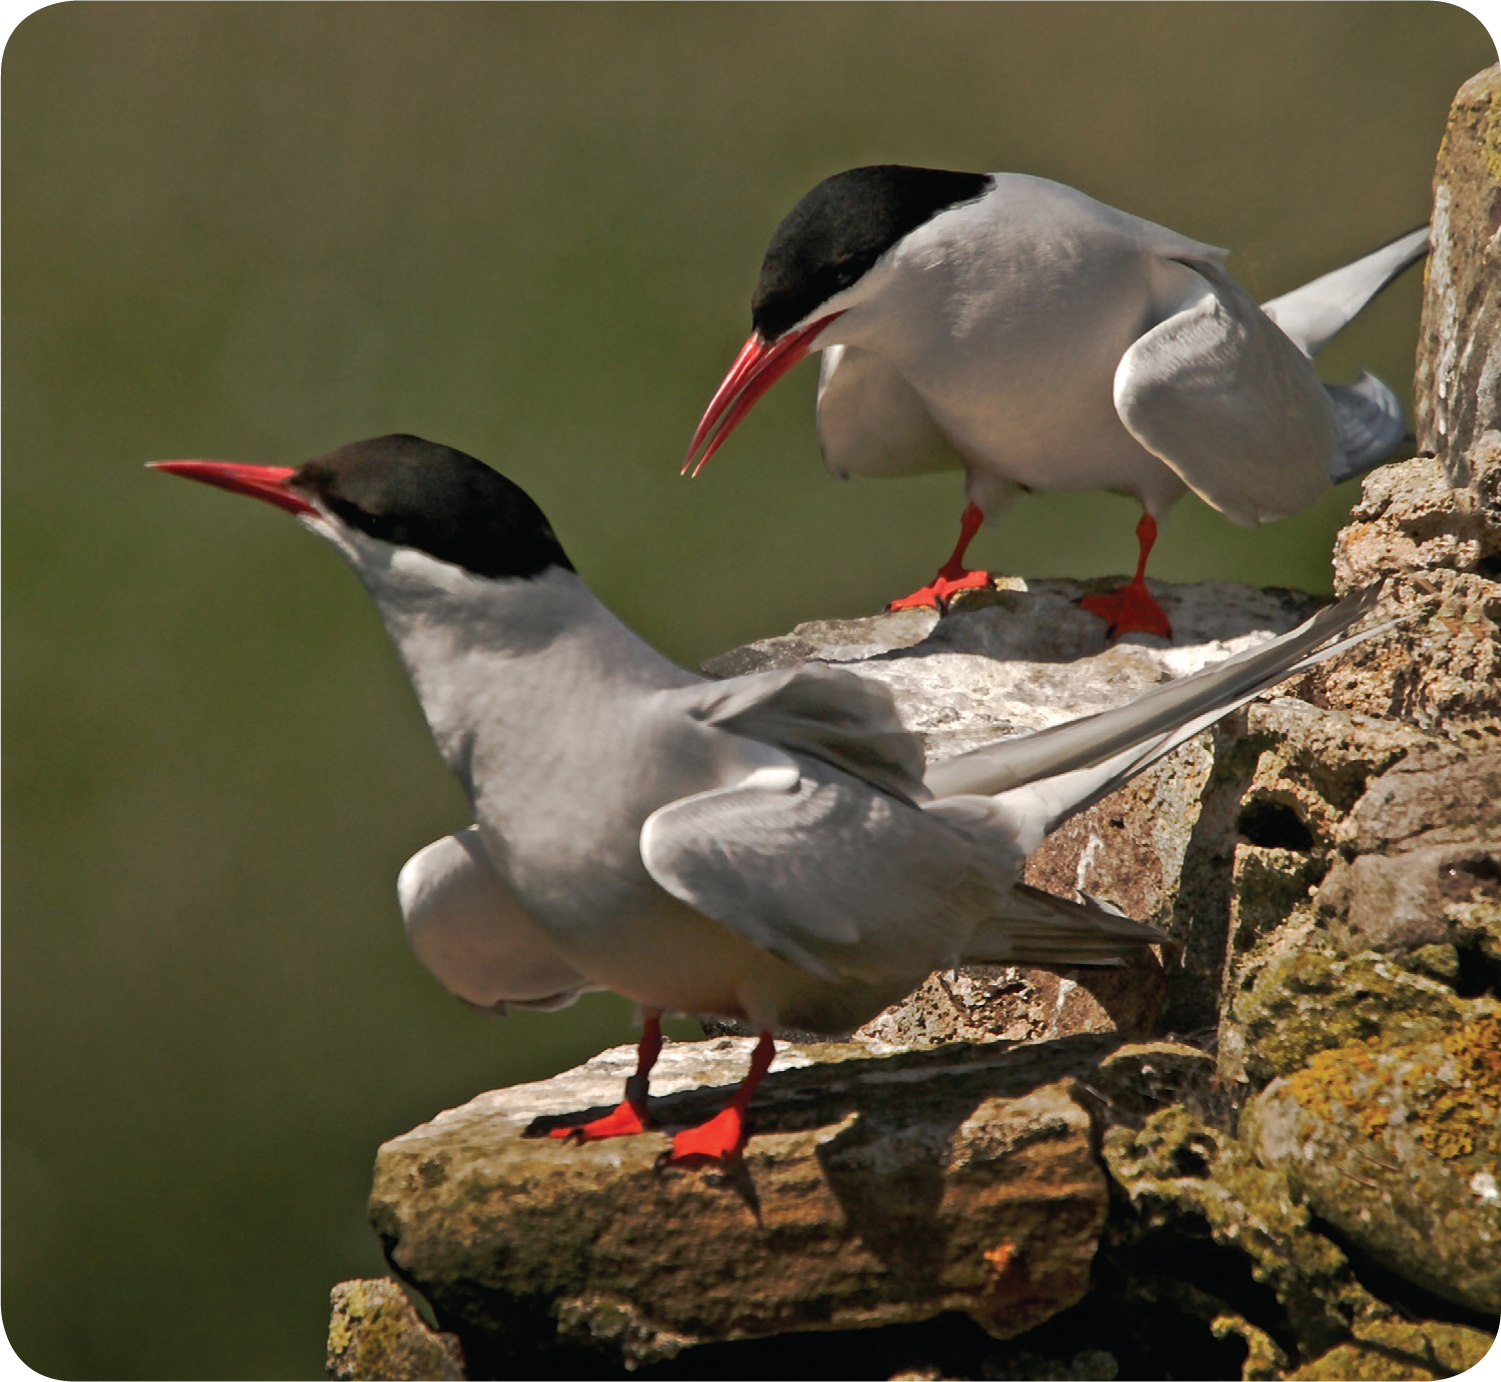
column 374, row 1332
column 1399, row 1351
column 1439, row 551
column 878, row 1189
column 1458, row 385
column 1181, row 1175
column 1400, row 1149
column 1309, row 1001
column 1138, row 1079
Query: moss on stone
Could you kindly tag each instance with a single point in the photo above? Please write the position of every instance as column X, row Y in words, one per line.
column 1399, row 1351
column 1179, row 1173
column 1310, row 1001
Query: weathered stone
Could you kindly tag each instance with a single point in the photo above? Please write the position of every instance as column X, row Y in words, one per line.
column 1420, row 897
column 1440, row 670
column 1437, row 796
column 1021, row 1003
column 1181, row 1175
column 1315, row 765
column 877, row 1189
column 1309, row 1001
column 1137, row 1080
column 1409, row 518
column 1399, row 1149
column 1459, row 352
column 1399, row 1351
column 1439, row 550
column 375, row 1332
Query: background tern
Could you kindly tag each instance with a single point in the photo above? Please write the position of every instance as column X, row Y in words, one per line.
column 771, row 847
column 1041, row 340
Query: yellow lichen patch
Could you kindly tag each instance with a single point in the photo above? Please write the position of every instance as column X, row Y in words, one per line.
column 1449, row 1092
column 339, row 1334
column 1491, row 154
column 1471, row 1104
column 1350, row 1077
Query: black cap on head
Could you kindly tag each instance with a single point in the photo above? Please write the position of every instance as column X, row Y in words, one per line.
column 833, row 236
column 415, row 493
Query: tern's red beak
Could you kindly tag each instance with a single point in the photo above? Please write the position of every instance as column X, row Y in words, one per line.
column 758, row 366
column 268, row 482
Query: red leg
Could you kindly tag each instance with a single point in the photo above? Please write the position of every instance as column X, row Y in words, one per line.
column 952, row 576
column 1129, row 609
column 723, row 1137
column 631, row 1115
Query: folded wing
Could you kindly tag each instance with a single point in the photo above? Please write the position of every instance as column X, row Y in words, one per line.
column 832, row 876
column 840, row 718
column 465, row 926
column 1226, row 400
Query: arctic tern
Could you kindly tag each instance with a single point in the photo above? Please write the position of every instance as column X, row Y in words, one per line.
column 1038, row 339
column 770, row 847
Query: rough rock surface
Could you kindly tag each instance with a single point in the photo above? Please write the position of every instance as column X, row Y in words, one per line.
column 1459, row 351
column 879, row 1188
column 1397, row 1350
column 1398, row 1146
column 374, row 1331
column 1303, row 1186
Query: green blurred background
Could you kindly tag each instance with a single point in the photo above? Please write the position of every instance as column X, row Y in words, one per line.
column 259, row 231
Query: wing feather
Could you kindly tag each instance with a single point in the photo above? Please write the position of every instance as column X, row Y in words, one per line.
column 840, row 718
column 467, row 928
column 1225, row 399
column 834, row 877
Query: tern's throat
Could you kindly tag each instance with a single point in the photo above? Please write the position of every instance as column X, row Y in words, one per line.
column 495, row 662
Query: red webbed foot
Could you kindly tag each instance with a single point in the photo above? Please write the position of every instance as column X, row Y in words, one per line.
column 627, row 1120
column 630, row 1115
column 721, row 1139
column 942, row 589
column 953, row 576
column 1129, row 610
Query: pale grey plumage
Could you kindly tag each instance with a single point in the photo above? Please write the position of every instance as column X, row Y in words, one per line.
column 764, row 847
column 1038, row 338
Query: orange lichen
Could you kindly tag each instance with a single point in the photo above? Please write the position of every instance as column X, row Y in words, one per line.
column 1000, row 1257
column 1451, row 1100
column 1347, row 1076
column 1471, row 1101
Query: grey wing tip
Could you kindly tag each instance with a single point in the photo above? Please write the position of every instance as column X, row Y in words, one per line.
column 1039, row 928
column 1423, row 229
column 1371, row 424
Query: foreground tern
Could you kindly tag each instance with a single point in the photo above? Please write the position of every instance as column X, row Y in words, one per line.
column 771, row 847
column 1041, row 340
